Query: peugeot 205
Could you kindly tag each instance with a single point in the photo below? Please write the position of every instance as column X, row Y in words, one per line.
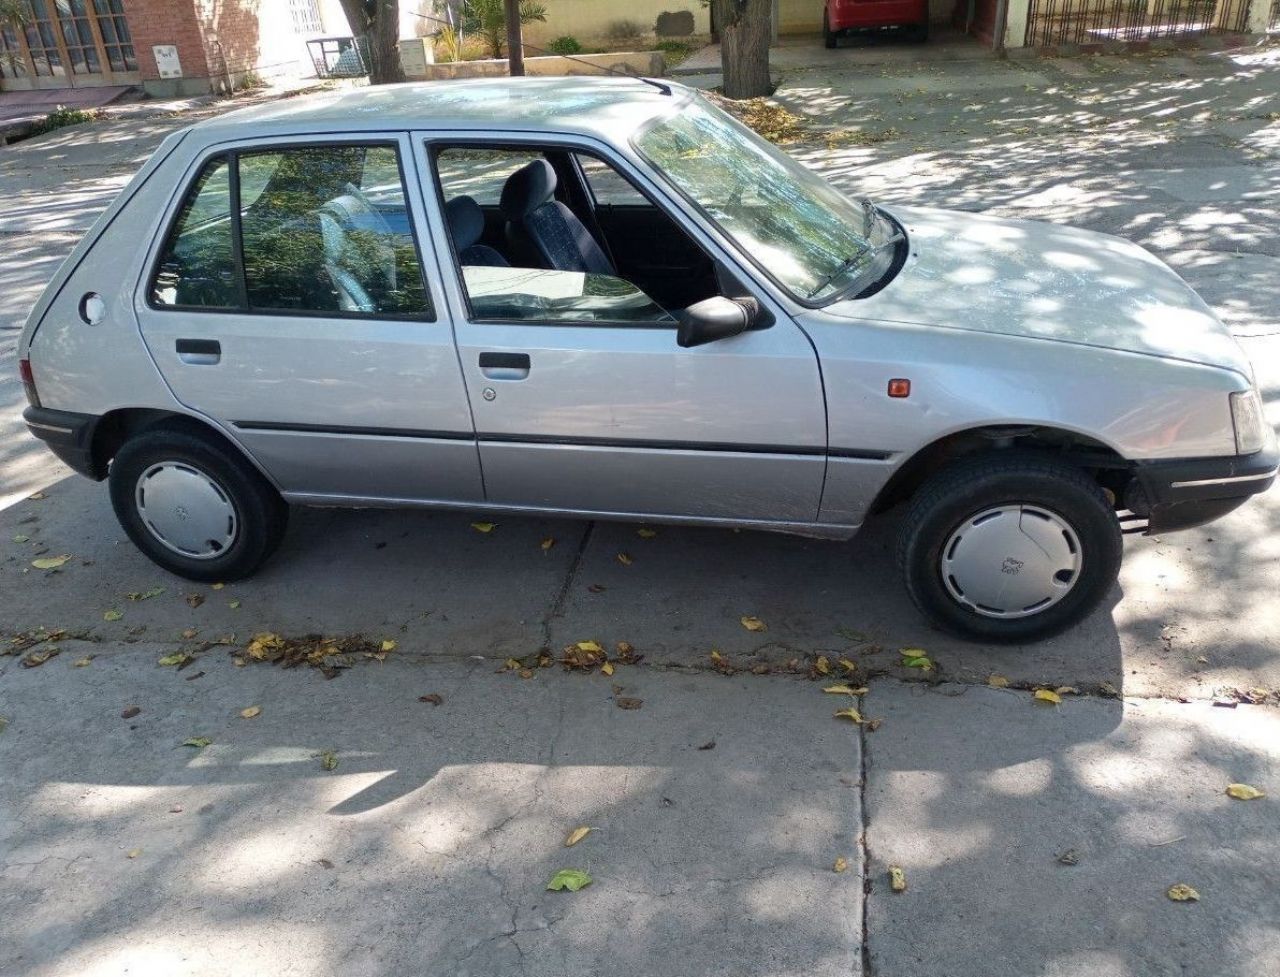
column 607, row 299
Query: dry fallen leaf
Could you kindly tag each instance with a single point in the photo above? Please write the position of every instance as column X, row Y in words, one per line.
column 134, row 853
column 130, row 712
column 1183, row 893
column 709, row 745
column 845, row 690
column 850, row 713
column 190, row 633
column 997, row 681
column 328, row 760
column 37, row 658
column 847, row 665
column 388, row 645
column 841, row 865
column 250, row 712
column 548, row 543
column 145, row 594
column 568, row 878
column 36, row 496
column 112, row 615
column 754, row 624
column 435, row 698
column 233, row 604
column 83, row 662
column 607, row 668
column 218, row 586
column 483, row 527
column 199, row 742
column 627, row 702
column 195, row 600
column 1047, row 695
column 897, row 879
column 646, row 533
column 590, row 646
column 177, row 658
column 1244, row 792
column 822, row 665
column 1067, row 690
column 50, row 562
column 624, row 559
column 576, row 835
column 20, row 538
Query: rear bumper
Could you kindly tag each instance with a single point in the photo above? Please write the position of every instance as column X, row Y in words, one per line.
column 68, row 435
column 1190, row 492
column 855, row 15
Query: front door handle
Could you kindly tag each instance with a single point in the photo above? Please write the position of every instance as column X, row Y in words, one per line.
column 199, row 352
column 504, row 366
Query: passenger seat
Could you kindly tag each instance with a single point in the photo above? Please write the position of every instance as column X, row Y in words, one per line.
column 538, row 223
column 466, row 226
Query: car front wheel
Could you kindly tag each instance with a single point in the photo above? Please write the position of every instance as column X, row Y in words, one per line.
column 195, row 506
column 1009, row 548
column 828, row 35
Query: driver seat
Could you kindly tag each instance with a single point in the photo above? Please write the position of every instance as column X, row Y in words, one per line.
column 539, row 224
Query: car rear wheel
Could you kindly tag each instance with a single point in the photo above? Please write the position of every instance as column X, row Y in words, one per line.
column 194, row 506
column 1010, row 548
column 828, row 36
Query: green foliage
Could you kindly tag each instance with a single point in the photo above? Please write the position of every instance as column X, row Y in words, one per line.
column 14, row 12
column 61, row 117
column 565, row 44
column 625, row 30
column 676, row 51
column 488, row 19
column 448, row 44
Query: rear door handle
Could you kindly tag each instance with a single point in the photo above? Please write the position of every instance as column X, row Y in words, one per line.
column 504, row 366
column 199, row 352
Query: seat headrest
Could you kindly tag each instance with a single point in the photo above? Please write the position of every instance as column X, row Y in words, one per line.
column 465, row 220
column 527, row 189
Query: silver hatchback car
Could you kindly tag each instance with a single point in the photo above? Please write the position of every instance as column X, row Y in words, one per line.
column 605, row 298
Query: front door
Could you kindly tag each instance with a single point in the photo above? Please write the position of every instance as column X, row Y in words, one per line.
column 583, row 401
column 288, row 302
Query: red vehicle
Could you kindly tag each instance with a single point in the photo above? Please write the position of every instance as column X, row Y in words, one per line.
column 843, row 17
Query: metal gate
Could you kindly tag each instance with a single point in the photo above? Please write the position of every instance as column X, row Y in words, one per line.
column 1107, row 21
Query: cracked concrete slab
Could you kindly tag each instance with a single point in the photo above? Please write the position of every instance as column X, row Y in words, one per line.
column 976, row 793
column 428, row 849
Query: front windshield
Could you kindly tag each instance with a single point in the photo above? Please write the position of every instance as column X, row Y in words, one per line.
column 811, row 239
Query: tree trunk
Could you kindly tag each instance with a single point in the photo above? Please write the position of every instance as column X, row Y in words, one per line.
column 515, row 40
column 378, row 22
column 745, row 31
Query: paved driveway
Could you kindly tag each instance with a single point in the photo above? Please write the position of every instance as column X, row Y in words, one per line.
column 426, row 849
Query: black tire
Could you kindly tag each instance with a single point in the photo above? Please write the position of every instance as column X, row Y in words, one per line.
column 829, row 40
column 261, row 515
column 921, row 33
column 964, row 490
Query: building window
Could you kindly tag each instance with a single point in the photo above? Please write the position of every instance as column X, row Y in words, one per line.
column 306, row 16
column 77, row 35
column 12, row 62
column 116, row 39
column 41, row 40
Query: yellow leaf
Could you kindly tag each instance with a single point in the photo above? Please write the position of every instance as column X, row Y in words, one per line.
column 845, row 690
column 1183, row 893
column 850, row 713
column 482, row 527
column 1067, row 690
column 513, row 665
column 897, row 879
column 607, row 668
column 134, row 853
column 83, row 662
column 847, row 665
column 548, row 543
column 36, row 496
column 218, row 586
column 50, row 562
column 1244, row 792
column 913, row 653
column 328, row 760
column 841, row 865
column 717, row 657
column 997, row 681
column 388, row 645
column 646, row 533
column 1047, row 695
column 624, row 559
column 112, row 615
column 754, row 624
column 233, row 604
column 250, row 712
column 822, row 665
column 591, row 646
column 576, row 835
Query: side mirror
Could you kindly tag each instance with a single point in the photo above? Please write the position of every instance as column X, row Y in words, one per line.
column 715, row 318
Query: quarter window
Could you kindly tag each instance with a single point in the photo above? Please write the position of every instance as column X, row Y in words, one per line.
column 321, row 229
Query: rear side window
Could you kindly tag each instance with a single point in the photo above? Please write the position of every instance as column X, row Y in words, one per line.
column 322, row 230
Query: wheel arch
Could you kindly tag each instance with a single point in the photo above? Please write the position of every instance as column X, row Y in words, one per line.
column 1106, row 465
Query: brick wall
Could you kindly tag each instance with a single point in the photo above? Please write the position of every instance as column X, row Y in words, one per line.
column 232, row 34
column 166, row 22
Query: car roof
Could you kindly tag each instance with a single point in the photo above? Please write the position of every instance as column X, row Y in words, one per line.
column 600, row 106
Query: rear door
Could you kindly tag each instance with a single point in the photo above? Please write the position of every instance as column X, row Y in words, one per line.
column 584, row 402
column 290, row 302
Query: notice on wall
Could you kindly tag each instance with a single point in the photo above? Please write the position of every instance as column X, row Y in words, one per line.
column 167, row 60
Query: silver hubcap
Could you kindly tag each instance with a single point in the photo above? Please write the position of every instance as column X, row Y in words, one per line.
column 186, row 510
column 1011, row 561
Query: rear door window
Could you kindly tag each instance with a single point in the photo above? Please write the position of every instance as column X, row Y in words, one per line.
column 321, row 230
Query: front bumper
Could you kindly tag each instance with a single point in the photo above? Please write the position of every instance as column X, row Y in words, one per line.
column 1190, row 492
column 69, row 436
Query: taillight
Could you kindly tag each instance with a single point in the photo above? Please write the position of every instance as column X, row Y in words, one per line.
column 28, row 382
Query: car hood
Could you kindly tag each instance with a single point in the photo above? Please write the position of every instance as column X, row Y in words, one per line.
column 1045, row 281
